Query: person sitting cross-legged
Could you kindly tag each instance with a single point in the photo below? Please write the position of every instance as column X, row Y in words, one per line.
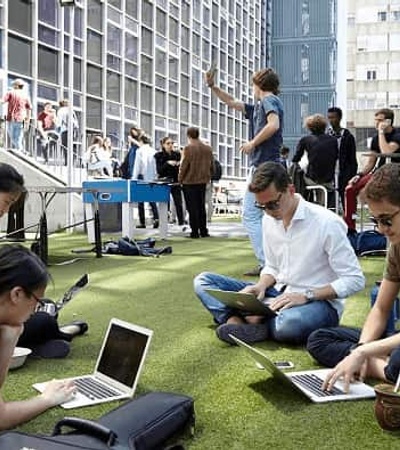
column 373, row 351
column 310, row 267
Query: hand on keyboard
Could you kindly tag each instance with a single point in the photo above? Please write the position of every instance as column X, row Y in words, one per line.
column 59, row 391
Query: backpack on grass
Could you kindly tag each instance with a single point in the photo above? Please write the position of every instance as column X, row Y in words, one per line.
column 368, row 242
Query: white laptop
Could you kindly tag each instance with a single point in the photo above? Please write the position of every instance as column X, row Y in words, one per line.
column 118, row 366
column 309, row 382
column 243, row 301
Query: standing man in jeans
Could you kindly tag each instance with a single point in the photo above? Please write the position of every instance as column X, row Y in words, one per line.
column 265, row 140
column 310, row 267
column 386, row 142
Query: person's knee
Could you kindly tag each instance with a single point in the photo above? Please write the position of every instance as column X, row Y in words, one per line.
column 201, row 280
column 315, row 340
column 288, row 330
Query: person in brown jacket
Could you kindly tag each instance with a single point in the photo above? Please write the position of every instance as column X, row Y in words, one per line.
column 194, row 174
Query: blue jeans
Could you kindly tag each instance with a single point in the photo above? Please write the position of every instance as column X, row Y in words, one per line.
column 16, row 133
column 391, row 322
column 291, row 325
column 330, row 345
column 252, row 221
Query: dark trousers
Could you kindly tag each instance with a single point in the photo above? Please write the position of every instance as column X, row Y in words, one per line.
column 195, row 195
column 330, row 345
column 142, row 217
column 15, row 218
column 176, row 193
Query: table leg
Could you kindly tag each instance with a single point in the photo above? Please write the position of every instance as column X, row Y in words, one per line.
column 163, row 213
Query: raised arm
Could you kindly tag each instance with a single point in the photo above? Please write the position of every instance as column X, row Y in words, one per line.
column 226, row 98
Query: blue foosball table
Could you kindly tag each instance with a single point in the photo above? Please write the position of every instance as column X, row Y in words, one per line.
column 128, row 193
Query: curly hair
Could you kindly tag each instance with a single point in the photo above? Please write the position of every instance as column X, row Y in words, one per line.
column 384, row 185
column 316, row 123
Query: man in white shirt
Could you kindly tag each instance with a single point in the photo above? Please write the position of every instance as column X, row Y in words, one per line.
column 310, row 267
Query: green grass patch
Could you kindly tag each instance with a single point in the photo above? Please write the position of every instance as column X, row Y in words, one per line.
column 237, row 406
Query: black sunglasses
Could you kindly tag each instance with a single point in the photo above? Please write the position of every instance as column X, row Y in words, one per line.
column 273, row 205
column 385, row 221
column 40, row 302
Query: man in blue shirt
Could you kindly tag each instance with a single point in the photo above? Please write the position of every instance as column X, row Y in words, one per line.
column 265, row 139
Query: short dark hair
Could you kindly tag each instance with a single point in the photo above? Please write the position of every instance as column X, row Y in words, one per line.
column 21, row 267
column 267, row 80
column 387, row 113
column 144, row 138
column 269, row 173
column 193, row 132
column 384, row 185
column 336, row 110
column 10, row 180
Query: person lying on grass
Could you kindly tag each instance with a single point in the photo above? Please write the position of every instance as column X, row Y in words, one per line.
column 355, row 353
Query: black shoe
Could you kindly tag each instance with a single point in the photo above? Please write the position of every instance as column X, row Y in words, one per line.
column 253, row 272
column 193, row 236
column 156, row 223
column 141, row 226
column 205, row 235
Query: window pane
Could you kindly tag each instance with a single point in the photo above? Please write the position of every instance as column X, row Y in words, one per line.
column 113, row 86
column 131, row 92
column 132, row 8
column 114, row 62
column 173, row 30
column 131, row 70
column 172, row 106
column 77, row 73
column 93, row 115
column 173, row 68
column 114, row 40
column 48, row 11
column 116, row 3
column 47, row 64
column 147, row 13
column 161, row 22
column 94, row 46
column 47, row 92
column 147, row 69
column 161, row 62
column 94, row 85
column 147, row 41
column 131, row 51
column 94, row 15
column 20, row 15
column 146, row 98
column 160, row 102
column 19, row 56
column 48, row 36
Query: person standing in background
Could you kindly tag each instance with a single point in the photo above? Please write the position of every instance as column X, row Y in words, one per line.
column 18, row 113
column 194, row 174
column 46, row 124
column 347, row 150
column 265, row 139
column 145, row 169
column 167, row 163
column 129, row 161
column 62, row 126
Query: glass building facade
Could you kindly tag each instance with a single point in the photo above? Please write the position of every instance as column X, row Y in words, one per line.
column 139, row 61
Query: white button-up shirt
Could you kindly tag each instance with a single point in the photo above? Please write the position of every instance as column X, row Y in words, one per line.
column 312, row 252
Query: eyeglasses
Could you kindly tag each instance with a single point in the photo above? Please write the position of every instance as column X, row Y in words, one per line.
column 39, row 301
column 384, row 221
column 273, row 205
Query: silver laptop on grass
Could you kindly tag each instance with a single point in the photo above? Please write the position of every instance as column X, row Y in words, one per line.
column 118, row 366
column 309, row 382
column 243, row 301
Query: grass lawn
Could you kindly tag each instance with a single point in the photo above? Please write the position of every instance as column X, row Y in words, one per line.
column 237, row 405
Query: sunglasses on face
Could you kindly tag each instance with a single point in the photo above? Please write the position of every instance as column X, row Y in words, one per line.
column 273, row 205
column 384, row 221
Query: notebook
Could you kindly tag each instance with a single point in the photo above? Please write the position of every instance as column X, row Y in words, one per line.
column 243, row 301
column 118, row 366
column 309, row 382
column 53, row 308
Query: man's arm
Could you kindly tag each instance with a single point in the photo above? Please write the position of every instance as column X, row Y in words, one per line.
column 264, row 134
column 222, row 95
column 184, row 165
column 386, row 147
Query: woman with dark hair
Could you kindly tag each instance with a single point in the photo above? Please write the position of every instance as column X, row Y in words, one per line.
column 167, row 162
column 23, row 280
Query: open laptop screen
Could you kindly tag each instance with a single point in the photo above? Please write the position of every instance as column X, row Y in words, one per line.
column 123, row 354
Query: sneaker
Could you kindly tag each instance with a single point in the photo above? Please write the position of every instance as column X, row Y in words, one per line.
column 141, row 226
column 253, row 272
column 246, row 332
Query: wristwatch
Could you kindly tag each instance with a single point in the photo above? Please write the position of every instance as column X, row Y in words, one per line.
column 310, row 295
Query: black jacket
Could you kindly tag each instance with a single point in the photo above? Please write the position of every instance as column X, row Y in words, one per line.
column 165, row 170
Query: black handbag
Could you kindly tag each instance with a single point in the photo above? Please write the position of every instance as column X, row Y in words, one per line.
column 145, row 423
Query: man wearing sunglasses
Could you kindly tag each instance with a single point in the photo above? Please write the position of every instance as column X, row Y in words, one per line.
column 370, row 352
column 310, row 267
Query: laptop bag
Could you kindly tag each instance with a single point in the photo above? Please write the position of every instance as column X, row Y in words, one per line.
column 145, row 423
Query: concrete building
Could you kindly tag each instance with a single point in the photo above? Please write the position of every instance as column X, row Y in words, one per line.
column 373, row 64
column 139, row 61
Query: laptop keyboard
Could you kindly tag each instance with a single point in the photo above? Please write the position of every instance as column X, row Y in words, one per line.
column 93, row 389
column 313, row 384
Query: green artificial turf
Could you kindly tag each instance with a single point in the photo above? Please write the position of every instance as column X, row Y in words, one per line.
column 237, row 405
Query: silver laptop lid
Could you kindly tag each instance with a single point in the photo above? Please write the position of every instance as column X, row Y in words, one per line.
column 122, row 354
